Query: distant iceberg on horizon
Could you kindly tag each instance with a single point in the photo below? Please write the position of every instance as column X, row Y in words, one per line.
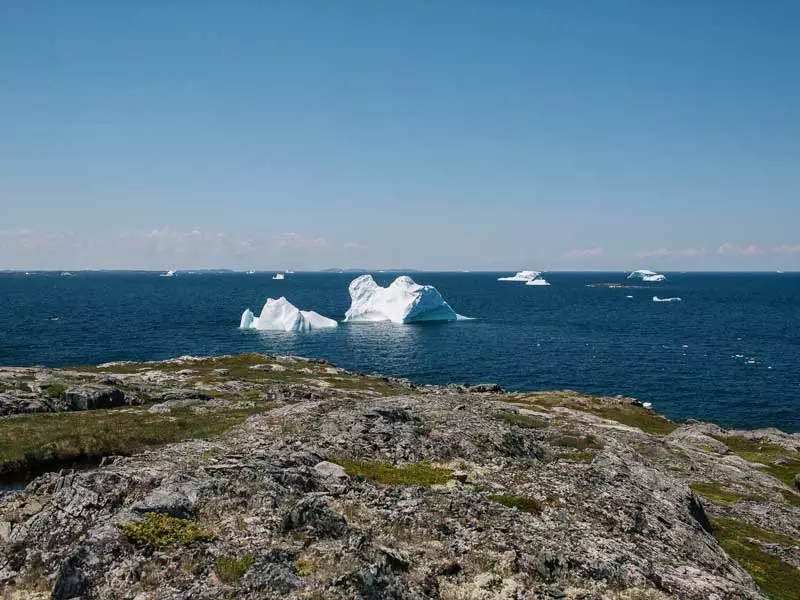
column 278, row 276
column 403, row 301
column 646, row 275
column 282, row 315
column 526, row 277
column 169, row 273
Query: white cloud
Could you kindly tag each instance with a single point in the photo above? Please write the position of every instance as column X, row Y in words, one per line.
column 684, row 252
column 588, row 253
column 355, row 246
column 788, row 249
column 751, row 250
column 296, row 240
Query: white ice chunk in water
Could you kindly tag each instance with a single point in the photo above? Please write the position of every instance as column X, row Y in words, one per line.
column 523, row 276
column 537, row 281
column 281, row 315
column 646, row 275
column 675, row 299
column 404, row 301
column 278, row 276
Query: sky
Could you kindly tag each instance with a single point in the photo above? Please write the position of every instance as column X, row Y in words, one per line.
column 445, row 134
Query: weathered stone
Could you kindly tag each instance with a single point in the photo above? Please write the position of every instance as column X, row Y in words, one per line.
column 90, row 397
column 329, row 469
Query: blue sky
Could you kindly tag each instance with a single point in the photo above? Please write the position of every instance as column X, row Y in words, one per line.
column 438, row 135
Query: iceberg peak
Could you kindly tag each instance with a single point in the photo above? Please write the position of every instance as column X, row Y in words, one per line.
column 282, row 315
column 403, row 301
column 646, row 275
column 527, row 277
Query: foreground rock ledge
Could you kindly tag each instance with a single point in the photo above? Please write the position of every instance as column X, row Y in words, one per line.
column 307, row 481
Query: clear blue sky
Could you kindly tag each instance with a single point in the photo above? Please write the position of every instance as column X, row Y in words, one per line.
column 433, row 134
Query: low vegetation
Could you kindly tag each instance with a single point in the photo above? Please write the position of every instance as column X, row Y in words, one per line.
column 30, row 442
column 231, row 569
column 626, row 413
column 412, row 474
column 777, row 579
column 524, row 421
column 578, row 442
column 779, row 462
column 716, row 493
column 160, row 531
column 523, row 503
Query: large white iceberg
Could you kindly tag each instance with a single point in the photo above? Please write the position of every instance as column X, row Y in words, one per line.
column 646, row 275
column 282, row 315
column 403, row 301
column 523, row 276
column 537, row 281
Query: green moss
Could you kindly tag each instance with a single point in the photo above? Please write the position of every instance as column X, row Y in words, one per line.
column 780, row 463
column 625, row 413
column 777, row 579
column 28, row 442
column 523, row 503
column 56, row 390
column 578, row 442
column 159, row 531
column 231, row 569
column 716, row 493
column 304, row 566
column 524, row 421
column 412, row 474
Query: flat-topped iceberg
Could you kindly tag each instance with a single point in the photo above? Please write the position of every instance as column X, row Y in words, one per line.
column 646, row 275
column 675, row 299
column 523, row 276
column 404, row 301
column 537, row 281
column 282, row 315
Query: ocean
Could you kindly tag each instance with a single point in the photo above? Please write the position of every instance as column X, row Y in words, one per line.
column 729, row 352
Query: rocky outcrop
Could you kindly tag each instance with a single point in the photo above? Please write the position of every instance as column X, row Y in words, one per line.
column 373, row 490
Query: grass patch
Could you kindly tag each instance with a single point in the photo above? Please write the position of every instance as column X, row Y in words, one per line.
column 305, row 566
column 523, row 503
column 716, row 493
column 231, row 569
column 766, row 454
column 28, row 442
column 56, row 390
column 580, row 443
column 777, row 579
column 159, row 531
column 524, row 421
column 413, row 474
column 625, row 413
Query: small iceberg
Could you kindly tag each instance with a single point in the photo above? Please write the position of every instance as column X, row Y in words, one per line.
column 404, row 301
column 282, row 315
column 645, row 275
column 66, row 274
column 537, row 281
column 279, row 276
column 251, row 272
column 675, row 299
column 169, row 273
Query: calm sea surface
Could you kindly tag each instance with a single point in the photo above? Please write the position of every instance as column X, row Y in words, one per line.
column 729, row 352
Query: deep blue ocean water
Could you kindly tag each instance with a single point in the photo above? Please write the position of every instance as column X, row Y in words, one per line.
column 729, row 352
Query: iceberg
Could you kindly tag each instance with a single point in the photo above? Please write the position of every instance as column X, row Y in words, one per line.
column 675, row 299
column 278, row 276
column 169, row 273
column 404, row 301
column 282, row 315
column 537, row 281
column 645, row 275
column 523, row 276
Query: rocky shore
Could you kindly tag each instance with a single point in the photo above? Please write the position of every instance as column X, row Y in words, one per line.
column 259, row 476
